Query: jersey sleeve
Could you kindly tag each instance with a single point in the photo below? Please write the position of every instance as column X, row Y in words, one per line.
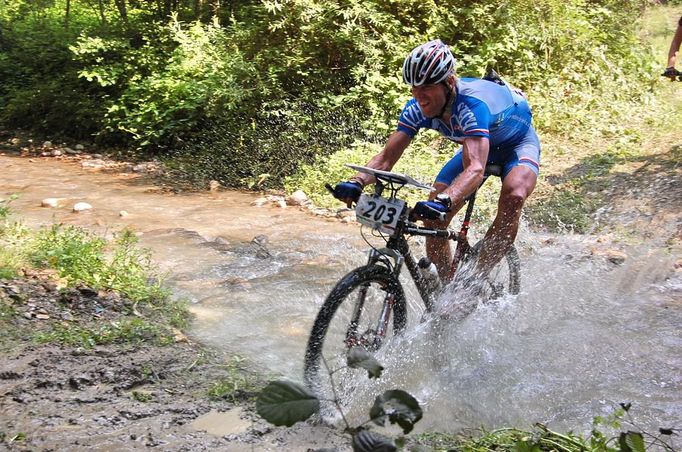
column 473, row 117
column 411, row 119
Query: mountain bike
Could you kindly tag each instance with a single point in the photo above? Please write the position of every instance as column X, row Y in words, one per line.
column 368, row 306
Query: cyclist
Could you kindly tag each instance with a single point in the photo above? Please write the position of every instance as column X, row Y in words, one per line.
column 492, row 122
column 670, row 71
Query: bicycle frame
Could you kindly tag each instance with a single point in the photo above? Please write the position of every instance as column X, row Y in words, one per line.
column 398, row 249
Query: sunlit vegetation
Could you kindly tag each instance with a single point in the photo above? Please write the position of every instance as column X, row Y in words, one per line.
column 253, row 93
column 78, row 258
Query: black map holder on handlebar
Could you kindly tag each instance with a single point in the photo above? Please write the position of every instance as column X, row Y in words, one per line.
column 393, row 179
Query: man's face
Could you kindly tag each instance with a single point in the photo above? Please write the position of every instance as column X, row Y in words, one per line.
column 431, row 98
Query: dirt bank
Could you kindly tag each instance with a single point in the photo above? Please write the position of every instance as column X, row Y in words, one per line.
column 118, row 397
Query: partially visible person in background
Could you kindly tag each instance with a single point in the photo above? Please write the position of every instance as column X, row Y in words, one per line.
column 670, row 71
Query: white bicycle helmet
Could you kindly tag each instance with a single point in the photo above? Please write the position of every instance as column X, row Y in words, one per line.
column 428, row 64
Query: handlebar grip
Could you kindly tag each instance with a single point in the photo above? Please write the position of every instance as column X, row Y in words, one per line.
column 330, row 189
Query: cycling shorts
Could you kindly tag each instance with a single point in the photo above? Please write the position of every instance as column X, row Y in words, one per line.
column 526, row 153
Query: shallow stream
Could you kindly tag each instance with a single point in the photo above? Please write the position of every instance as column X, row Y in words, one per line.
column 583, row 335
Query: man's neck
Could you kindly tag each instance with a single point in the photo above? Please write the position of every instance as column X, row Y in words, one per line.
column 447, row 114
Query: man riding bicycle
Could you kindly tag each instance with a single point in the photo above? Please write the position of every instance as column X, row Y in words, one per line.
column 492, row 122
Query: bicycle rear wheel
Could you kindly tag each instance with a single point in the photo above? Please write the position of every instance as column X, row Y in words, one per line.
column 357, row 312
column 504, row 278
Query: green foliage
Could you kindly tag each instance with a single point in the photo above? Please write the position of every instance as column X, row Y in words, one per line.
column 398, row 407
column 270, row 93
column 358, row 358
column 80, row 256
column 564, row 209
column 143, row 397
column 285, row 403
column 15, row 242
column 127, row 330
column 422, row 161
column 236, row 384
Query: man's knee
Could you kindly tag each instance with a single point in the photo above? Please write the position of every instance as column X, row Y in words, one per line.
column 513, row 198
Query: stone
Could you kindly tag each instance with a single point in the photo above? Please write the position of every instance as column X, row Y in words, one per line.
column 298, row 198
column 281, row 203
column 51, row 202
column 260, row 202
column 79, row 147
column 47, row 144
column 123, row 214
column 345, row 213
column 616, row 257
column 71, row 151
column 56, row 153
column 92, row 164
column 214, row 185
column 81, row 207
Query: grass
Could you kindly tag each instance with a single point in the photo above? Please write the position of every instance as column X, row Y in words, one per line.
column 81, row 258
column 577, row 174
column 237, row 384
column 606, row 435
column 130, row 330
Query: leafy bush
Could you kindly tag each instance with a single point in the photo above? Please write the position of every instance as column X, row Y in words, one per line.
column 80, row 256
column 265, row 89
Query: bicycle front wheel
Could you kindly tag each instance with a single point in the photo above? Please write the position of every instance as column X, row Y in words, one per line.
column 365, row 308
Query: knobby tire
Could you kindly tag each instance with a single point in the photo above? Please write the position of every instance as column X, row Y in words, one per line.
column 314, row 367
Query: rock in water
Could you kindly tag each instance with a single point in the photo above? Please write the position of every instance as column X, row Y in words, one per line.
column 81, row 207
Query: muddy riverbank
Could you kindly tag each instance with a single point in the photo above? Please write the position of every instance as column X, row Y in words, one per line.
column 114, row 397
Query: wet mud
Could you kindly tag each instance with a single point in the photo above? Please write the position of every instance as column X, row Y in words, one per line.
column 119, row 397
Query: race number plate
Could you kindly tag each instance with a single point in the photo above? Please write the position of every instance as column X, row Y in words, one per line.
column 379, row 213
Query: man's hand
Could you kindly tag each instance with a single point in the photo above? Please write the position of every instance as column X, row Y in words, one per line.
column 348, row 192
column 433, row 210
column 672, row 73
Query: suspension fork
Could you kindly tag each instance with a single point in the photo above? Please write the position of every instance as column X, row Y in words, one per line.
column 391, row 251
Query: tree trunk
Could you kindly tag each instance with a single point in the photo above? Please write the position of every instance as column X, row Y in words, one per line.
column 215, row 7
column 122, row 9
column 100, row 4
column 67, row 13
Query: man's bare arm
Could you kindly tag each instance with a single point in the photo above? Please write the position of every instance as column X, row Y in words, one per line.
column 387, row 158
column 475, row 156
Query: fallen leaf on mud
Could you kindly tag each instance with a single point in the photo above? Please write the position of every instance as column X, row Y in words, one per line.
column 179, row 336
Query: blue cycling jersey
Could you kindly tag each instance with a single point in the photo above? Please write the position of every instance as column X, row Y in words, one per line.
column 481, row 109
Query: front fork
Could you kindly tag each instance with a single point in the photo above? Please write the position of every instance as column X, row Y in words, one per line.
column 372, row 339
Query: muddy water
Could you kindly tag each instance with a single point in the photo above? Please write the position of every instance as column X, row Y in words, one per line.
column 583, row 335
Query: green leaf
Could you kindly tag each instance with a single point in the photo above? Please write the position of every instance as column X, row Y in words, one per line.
column 358, row 357
column 399, row 406
column 631, row 442
column 284, row 402
column 366, row 441
column 526, row 446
